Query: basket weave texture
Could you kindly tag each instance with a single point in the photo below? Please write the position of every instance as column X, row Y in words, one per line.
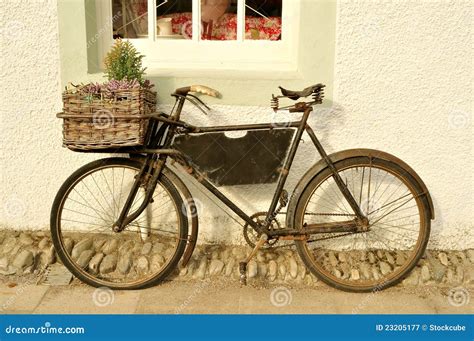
column 120, row 120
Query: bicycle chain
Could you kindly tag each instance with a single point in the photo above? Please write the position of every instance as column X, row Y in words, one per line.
column 326, row 238
column 332, row 214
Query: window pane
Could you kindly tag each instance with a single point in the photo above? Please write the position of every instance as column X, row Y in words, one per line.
column 130, row 19
column 219, row 19
column 174, row 19
column 263, row 19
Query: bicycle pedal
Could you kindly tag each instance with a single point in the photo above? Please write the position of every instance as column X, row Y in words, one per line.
column 243, row 273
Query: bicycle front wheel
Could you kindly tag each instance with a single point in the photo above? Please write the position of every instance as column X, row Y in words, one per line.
column 84, row 211
column 399, row 225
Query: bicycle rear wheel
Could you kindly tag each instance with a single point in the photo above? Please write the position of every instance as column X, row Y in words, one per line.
column 398, row 219
column 82, row 216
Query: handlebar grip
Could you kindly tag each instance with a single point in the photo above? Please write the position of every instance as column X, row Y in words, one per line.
column 183, row 91
column 201, row 89
column 205, row 90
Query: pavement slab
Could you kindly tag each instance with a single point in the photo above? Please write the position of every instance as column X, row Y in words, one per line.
column 21, row 298
column 211, row 296
column 87, row 300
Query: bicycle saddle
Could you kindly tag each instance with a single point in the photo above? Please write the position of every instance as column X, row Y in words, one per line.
column 295, row 95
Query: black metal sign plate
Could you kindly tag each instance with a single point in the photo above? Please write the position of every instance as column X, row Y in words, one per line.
column 251, row 159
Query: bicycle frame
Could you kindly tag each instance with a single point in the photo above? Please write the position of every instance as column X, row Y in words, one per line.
column 156, row 159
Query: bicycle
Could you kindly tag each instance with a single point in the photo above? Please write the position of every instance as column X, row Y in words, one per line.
column 360, row 219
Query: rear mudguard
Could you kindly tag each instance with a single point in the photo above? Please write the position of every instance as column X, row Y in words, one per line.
column 347, row 154
column 190, row 208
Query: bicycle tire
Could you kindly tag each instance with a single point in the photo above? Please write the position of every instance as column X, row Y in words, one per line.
column 63, row 253
column 421, row 202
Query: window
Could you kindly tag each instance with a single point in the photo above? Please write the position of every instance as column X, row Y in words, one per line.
column 205, row 34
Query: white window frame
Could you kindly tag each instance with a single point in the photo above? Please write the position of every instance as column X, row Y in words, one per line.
column 184, row 55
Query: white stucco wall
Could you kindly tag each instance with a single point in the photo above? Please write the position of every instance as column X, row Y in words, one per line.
column 403, row 84
column 404, row 80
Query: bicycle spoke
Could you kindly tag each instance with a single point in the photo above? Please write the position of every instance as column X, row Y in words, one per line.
column 390, row 203
column 81, row 213
column 121, row 187
column 142, row 250
column 103, row 196
column 378, row 187
column 97, row 201
column 361, row 186
column 111, row 192
column 396, row 208
column 100, row 215
column 342, row 200
column 392, row 213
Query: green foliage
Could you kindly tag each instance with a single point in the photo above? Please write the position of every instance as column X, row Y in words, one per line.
column 123, row 62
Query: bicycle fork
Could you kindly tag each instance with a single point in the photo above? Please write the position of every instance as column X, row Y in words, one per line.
column 152, row 167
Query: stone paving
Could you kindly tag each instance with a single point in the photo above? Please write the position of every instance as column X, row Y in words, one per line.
column 24, row 254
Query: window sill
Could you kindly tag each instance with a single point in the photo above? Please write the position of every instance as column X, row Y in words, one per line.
column 223, row 73
column 248, row 73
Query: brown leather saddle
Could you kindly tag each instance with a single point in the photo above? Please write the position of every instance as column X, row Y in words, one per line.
column 295, row 95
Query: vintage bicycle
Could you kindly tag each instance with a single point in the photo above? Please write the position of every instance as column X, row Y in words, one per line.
column 360, row 218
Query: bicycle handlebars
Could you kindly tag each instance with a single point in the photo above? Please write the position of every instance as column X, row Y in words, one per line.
column 201, row 89
column 316, row 91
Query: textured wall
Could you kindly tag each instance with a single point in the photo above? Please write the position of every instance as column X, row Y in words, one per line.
column 33, row 163
column 403, row 82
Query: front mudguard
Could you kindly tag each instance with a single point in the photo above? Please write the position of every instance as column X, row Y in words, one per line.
column 192, row 212
column 190, row 208
column 347, row 154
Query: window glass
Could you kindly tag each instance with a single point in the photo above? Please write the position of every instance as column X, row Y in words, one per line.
column 219, row 19
column 263, row 19
column 174, row 19
column 130, row 18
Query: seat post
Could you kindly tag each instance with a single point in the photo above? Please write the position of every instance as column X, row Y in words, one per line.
column 285, row 169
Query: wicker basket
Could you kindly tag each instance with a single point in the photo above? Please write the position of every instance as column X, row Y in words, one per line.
column 120, row 121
